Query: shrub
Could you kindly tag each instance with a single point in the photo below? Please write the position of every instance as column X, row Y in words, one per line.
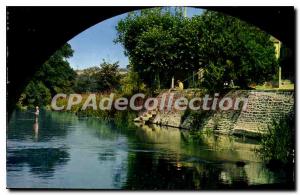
column 278, row 144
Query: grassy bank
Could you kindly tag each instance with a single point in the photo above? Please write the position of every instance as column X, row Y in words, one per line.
column 119, row 116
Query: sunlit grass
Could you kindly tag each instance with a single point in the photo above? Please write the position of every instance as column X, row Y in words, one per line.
column 288, row 86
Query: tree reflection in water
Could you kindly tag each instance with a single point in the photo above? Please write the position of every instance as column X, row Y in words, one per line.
column 42, row 162
column 74, row 152
column 211, row 163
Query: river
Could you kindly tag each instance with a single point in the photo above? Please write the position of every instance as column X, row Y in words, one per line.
column 61, row 150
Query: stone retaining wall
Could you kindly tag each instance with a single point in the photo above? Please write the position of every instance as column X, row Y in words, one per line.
column 263, row 107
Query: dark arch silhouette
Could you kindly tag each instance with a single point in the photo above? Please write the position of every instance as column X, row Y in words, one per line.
column 34, row 33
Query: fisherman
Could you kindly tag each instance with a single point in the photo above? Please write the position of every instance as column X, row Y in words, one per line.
column 37, row 111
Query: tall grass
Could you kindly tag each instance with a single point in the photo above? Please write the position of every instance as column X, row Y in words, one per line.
column 279, row 143
column 111, row 114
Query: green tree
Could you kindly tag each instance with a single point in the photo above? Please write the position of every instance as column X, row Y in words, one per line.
column 232, row 49
column 36, row 94
column 87, row 81
column 108, row 76
column 54, row 76
column 159, row 44
column 56, row 73
column 131, row 84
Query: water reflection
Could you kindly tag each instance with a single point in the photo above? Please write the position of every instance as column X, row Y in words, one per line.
column 42, row 161
column 36, row 128
column 218, row 162
column 21, row 124
column 64, row 151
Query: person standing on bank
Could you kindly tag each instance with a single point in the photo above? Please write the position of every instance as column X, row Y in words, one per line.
column 180, row 85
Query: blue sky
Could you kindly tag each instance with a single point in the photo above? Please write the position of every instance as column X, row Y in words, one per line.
column 96, row 43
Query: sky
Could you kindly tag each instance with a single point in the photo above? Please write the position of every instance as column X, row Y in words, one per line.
column 97, row 43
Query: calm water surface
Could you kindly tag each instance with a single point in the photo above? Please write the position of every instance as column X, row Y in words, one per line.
column 60, row 150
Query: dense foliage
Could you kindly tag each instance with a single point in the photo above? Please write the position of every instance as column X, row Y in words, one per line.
column 158, row 45
column 54, row 76
column 104, row 78
column 56, row 73
column 131, row 83
column 279, row 143
column 234, row 50
column 161, row 43
column 87, row 81
column 108, row 76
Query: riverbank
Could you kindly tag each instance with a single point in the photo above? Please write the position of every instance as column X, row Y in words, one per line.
column 263, row 107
